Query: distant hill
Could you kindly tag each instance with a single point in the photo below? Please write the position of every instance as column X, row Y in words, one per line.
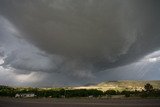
column 121, row 85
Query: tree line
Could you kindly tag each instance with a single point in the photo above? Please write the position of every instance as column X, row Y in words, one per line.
column 148, row 91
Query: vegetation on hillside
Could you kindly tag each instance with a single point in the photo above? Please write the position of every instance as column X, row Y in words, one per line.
column 148, row 91
column 129, row 85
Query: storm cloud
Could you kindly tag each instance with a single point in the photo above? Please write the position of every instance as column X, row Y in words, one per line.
column 72, row 42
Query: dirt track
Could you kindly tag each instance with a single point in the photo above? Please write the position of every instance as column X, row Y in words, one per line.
column 12, row 102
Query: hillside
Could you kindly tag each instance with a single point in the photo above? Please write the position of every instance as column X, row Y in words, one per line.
column 121, row 85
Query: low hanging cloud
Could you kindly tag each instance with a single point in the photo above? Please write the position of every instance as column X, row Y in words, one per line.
column 76, row 42
column 64, row 28
column 20, row 54
column 27, row 64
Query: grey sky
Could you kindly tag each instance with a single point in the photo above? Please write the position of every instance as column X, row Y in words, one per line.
column 72, row 42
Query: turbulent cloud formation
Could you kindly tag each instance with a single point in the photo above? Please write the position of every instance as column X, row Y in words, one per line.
column 20, row 54
column 72, row 42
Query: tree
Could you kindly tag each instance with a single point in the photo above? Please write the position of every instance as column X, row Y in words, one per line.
column 148, row 87
column 111, row 92
column 126, row 93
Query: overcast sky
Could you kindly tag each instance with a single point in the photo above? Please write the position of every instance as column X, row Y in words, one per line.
column 45, row 43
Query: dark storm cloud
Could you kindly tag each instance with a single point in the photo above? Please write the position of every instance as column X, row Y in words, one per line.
column 20, row 54
column 78, row 29
column 77, row 38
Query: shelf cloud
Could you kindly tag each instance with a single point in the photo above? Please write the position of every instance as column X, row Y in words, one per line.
column 74, row 42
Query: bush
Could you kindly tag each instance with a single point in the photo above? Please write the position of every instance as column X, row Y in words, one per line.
column 148, row 87
column 111, row 92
